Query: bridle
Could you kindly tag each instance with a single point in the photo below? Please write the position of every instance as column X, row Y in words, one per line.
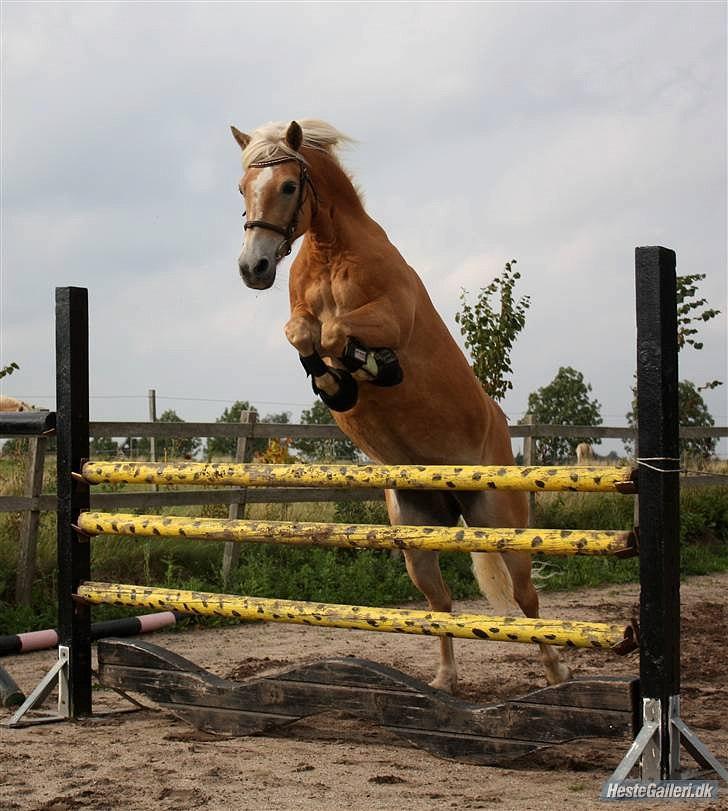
column 287, row 233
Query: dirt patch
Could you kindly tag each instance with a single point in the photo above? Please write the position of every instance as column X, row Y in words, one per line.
column 148, row 761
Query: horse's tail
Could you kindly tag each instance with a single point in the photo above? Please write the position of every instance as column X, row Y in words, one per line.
column 494, row 581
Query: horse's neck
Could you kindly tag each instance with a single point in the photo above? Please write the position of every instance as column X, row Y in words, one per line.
column 341, row 222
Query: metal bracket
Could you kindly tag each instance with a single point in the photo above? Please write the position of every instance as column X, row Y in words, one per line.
column 646, row 747
column 56, row 676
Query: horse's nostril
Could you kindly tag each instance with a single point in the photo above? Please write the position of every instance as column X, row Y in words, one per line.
column 244, row 268
column 261, row 267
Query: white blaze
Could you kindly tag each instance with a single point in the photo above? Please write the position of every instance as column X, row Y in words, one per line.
column 258, row 185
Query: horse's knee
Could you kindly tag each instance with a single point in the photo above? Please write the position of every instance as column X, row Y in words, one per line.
column 300, row 334
column 333, row 338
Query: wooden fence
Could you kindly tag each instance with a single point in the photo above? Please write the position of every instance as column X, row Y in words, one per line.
column 34, row 501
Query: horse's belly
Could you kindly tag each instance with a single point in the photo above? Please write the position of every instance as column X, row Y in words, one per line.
column 401, row 425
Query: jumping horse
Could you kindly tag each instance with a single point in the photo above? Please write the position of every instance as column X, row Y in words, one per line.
column 380, row 356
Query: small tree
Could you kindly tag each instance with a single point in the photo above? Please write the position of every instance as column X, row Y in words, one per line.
column 324, row 450
column 490, row 329
column 275, row 446
column 173, row 448
column 103, row 446
column 176, row 448
column 691, row 311
column 220, row 446
column 694, row 411
column 564, row 401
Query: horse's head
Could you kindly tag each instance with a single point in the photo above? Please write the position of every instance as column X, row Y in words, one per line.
column 279, row 198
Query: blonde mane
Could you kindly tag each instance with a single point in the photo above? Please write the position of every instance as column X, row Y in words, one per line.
column 269, row 141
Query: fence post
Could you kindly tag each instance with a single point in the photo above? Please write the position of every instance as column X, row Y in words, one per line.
column 659, row 499
column 529, row 458
column 72, row 437
column 231, row 550
column 29, row 528
column 152, row 396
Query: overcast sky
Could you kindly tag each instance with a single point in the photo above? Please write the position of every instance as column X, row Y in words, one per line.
column 560, row 134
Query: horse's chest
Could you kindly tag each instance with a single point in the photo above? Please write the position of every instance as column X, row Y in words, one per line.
column 333, row 298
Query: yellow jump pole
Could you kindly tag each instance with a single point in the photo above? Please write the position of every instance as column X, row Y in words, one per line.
column 363, row 536
column 392, row 620
column 407, row 477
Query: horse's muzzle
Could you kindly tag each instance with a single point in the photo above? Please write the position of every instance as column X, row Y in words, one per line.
column 261, row 276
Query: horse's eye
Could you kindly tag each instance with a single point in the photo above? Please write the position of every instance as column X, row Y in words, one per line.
column 289, row 187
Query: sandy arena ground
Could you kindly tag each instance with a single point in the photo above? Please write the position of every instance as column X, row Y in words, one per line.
column 148, row 760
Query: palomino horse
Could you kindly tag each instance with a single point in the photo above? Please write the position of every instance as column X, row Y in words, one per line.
column 12, row 404
column 380, row 355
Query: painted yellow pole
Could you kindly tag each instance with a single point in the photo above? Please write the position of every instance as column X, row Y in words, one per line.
column 392, row 620
column 362, row 536
column 407, row 477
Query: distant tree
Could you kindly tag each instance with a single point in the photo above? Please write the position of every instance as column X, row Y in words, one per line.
column 174, row 448
column 324, row 450
column 103, row 447
column 490, row 327
column 136, row 447
column 564, row 401
column 274, row 445
column 693, row 410
column 219, row 446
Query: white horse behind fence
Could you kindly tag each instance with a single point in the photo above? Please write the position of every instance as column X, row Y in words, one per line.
column 584, row 454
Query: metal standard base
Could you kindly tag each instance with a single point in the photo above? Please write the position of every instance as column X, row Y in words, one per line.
column 56, row 676
column 646, row 750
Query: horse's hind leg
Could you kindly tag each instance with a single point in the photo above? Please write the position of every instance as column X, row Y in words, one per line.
column 505, row 578
column 420, row 509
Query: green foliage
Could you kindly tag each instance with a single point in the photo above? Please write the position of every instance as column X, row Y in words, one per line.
column 174, row 448
column 324, row 450
column 219, row 446
column 704, row 516
column 103, row 447
column 703, row 536
column 223, row 447
column 693, row 411
column 490, row 327
column 8, row 370
column 691, row 311
column 564, row 401
column 360, row 512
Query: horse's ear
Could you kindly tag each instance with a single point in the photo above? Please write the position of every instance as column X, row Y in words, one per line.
column 294, row 136
column 240, row 137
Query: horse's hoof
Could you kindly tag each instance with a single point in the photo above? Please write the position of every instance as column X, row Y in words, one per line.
column 347, row 395
column 558, row 673
column 447, row 684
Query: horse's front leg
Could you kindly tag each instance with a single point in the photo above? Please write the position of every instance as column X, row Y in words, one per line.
column 365, row 341
column 336, row 388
